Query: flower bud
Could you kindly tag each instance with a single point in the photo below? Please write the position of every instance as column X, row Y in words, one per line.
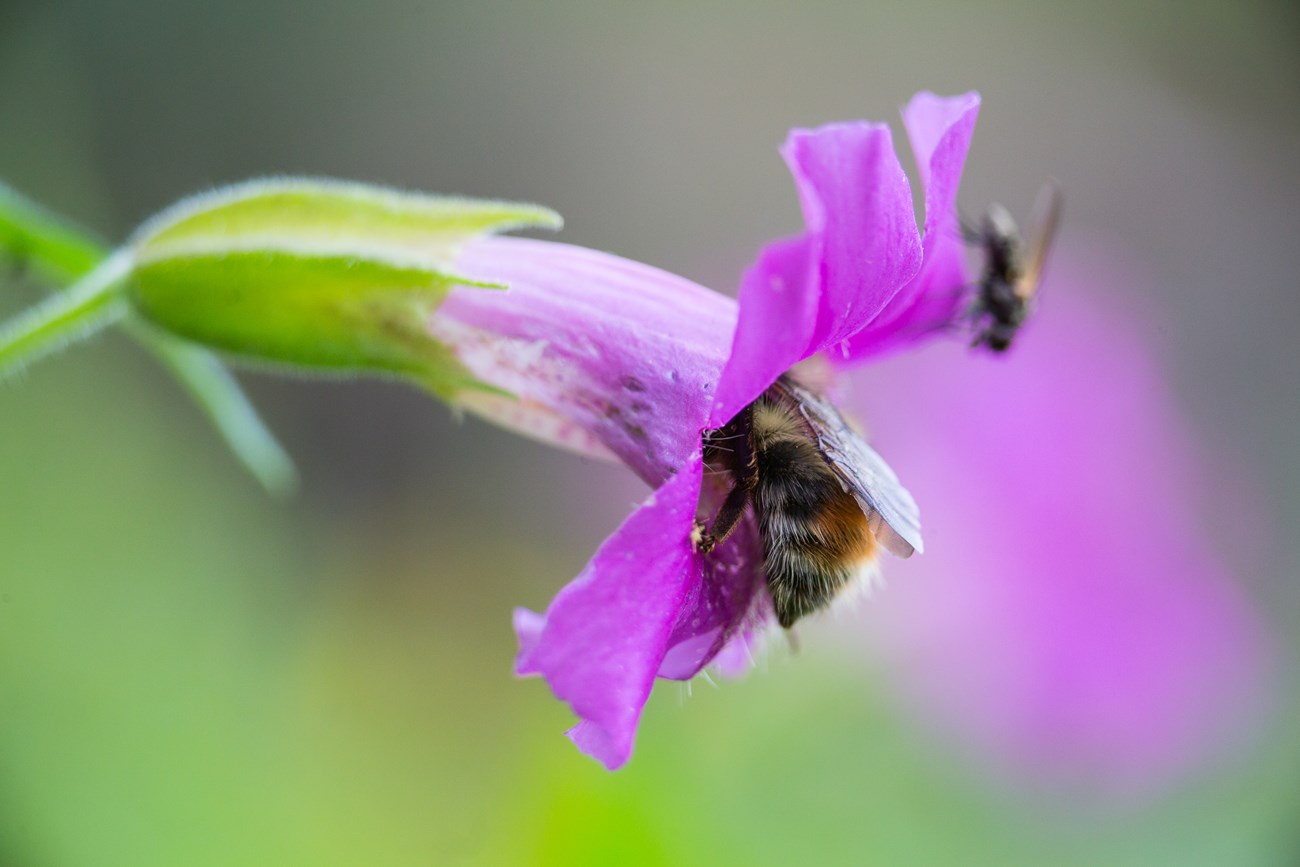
column 327, row 276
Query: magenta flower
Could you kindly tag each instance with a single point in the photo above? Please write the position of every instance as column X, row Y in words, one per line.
column 1076, row 619
column 611, row 357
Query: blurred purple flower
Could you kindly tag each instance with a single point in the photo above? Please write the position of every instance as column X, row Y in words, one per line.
column 1074, row 616
column 609, row 356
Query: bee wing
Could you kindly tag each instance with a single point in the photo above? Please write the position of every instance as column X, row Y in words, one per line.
column 1043, row 221
column 891, row 512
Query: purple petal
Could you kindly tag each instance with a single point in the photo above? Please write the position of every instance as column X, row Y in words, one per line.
column 859, row 247
column 607, row 632
column 728, row 600
column 858, row 208
column 607, row 355
column 778, row 314
column 528, row 629
column 602, row 355
column 940, row 129
column 736, row 658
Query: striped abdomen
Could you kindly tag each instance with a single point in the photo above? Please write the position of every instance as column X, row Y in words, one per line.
column 815, row 536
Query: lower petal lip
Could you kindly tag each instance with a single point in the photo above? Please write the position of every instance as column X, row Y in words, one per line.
column 606, row 634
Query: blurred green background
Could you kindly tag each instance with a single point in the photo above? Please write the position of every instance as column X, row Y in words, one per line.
column 191, row 673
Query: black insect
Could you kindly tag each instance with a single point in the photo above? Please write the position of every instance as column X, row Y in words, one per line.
column 1012, row 269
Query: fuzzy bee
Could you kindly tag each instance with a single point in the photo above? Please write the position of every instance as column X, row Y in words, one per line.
column 824, row 501
column 1011, row 269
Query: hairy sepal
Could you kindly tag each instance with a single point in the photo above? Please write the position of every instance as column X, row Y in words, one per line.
column 326, row 276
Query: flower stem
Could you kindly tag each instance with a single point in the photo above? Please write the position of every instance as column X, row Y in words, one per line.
column 59, row 254
column 92, row 303
column 226, row 405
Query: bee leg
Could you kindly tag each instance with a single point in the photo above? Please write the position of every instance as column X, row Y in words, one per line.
column 726, row 520
column 744, row 471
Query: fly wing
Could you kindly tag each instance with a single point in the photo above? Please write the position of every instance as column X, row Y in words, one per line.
column 891, row 512
column 1043, row 221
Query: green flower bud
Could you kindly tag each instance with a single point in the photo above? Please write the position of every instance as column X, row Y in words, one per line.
column 327, row 276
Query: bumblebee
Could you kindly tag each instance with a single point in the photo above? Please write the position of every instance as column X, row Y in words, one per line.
column 823, row 500
column 1012, row 270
